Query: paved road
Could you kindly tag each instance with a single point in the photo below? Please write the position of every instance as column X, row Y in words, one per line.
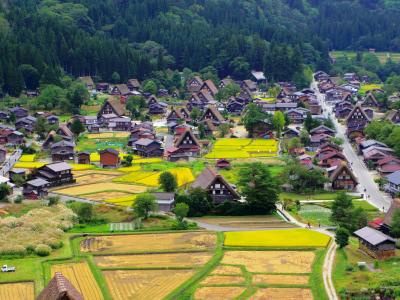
column 365, row 178
column 8, row 164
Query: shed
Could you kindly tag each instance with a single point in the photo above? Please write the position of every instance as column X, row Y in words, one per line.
column 84, row 157
column 376, row 243
column 165, row 201
column 109, row 158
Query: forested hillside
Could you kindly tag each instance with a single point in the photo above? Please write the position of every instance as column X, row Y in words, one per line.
column 42, row 39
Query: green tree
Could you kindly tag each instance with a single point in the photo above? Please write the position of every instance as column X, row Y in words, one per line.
column 259, row 188
column 5, row 191
column 252, row 118
column 31, row 76
column 53, row 200
column 144, row 204
column 85, row 212
column 198, row 200
column 127, row 161
column 223, row 129
column 115, row 78
column 195, row 114
column 168, row 182
column 279, row 122
column 150, row 87
column 395, row 225
column 342, row 237
column 77, row 127
column 41, row 127
column 310, row 123
column 77, row 94
column 342, row 208
column 181, row 210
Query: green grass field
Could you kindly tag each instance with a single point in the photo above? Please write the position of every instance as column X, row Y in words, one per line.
column 382, row 56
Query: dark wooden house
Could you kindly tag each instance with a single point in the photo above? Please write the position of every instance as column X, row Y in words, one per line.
column 83, row 157
column 109, row 158
column 63, row 150
column 148, row 148
column 59, row 288
column 19, row 112
column 216, row 186
column 35, row 189
column 356, row 121
column 194, row 84
column 186, row 147
column 342, row 178
column 112, row 106
column 56, row 173
column 212, row 114
column 375, row 243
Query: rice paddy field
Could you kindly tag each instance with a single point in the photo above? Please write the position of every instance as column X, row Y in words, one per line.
column 81, row 277
column 218, row 292
column 283, row 293
column 155, row 242
column 17, row 291
column 382, row 56
column 295, row 238
column 100, row 187
column 243, row 148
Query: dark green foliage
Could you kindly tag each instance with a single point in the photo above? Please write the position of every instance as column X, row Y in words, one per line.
column 168, row 182
column 395, row 225
column 181, row 211
column 144, row 204
column 198, row 200
column 342, row 237
column 345, row 215
column 77, row 127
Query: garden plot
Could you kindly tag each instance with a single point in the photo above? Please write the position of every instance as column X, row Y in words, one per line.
column 218, row 293
column 162, row 260
column 144, row 284
column 78, row 173
column 271, row 261
column 17, row 291
column 227, row 270
column 243, row 148
column 81, row 277
column 93, row 178
column 283, row 294
column 246, row 221
column 280, row 279
column 108, row 135
column 122, row 226
column 149, row 242
column 101, row 187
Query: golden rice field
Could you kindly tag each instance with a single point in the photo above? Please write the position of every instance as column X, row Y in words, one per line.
column 277, row 238
column 283, row 294
column 144, row 284
column 93, row 178
column 29, row 165
column 222, row 279
column 146, row 242
column 126, row 200
column 108, row 135
column 27, row 158
column 80, row 167
column 81, row 277
column 271, row 261
column 227, row 270
column 218, row 293
column 105, row 196
column 243, row 148
column 129, row 169
column 101, row 187
column 17, row 291
column 78, row 173
column 162, row 260
column 183, row 176
column 280, row 279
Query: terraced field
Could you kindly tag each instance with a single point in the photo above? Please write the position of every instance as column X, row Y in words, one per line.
column 220, row 293
column 101, row 187
column 17, row 291
column 283, row 294
column 144, row 284
column 81, row 277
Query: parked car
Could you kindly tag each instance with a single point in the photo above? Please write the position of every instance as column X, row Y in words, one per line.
column 6, row 268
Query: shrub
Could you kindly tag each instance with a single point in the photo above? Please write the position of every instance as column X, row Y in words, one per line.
column 180, row 225
column 19, row 199
column 43, row 250
column 54, row 244
column 349, row 268
column 16, row 250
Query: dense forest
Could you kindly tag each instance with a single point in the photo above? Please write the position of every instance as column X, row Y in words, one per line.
column 41, row 40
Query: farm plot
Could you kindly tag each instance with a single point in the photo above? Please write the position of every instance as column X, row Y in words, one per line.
column 271, row 261
column 17, row 291
column 100, row 187
column 93, row 178
column 247, row 222
column 225, row 279
column 243, row 148
column 146, row 242
column 283, row 294
column 144, row 284
column 280, row 279
column 27, row 158
column 81, row 277
column 163, row 260
column 277, row 238
column 105, row 196
column 220, row 293
column 227, row 270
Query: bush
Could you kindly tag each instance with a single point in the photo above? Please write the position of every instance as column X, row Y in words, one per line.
column 54, row 244
column 43, row 250
column 15, row 250
column 349, row 268
column 180, row 225
column 19, row 199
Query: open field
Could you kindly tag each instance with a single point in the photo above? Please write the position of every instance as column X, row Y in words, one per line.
column 222, row 279
column 78, row 173
column 315, row 214
column 144, row 284
column 149, row 242
column 100, row 187
column 282, row 294
column 29, row 165
column 367, row 87
column 27, row 157
column 108, row 135
column 17, row 291
column 246, row 221
column 271, row 261
column 163, row 260
column 220, row 293
column 232, row 175
column 302, row 238
column 280, row 279
column 81, row 277
column 93, row 178
column 243, row 148
column 107, row 196
column 382, row 56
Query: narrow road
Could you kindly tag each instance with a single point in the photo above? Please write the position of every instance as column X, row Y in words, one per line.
column 366, row 181
column 9, row 163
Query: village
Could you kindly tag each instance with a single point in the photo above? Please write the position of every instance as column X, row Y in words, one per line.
column 247, row 190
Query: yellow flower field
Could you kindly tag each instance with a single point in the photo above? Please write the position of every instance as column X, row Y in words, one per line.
column 80, row 167
column 27, row 158
column 277, row 238
column 108, row 135
column 129, row 169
